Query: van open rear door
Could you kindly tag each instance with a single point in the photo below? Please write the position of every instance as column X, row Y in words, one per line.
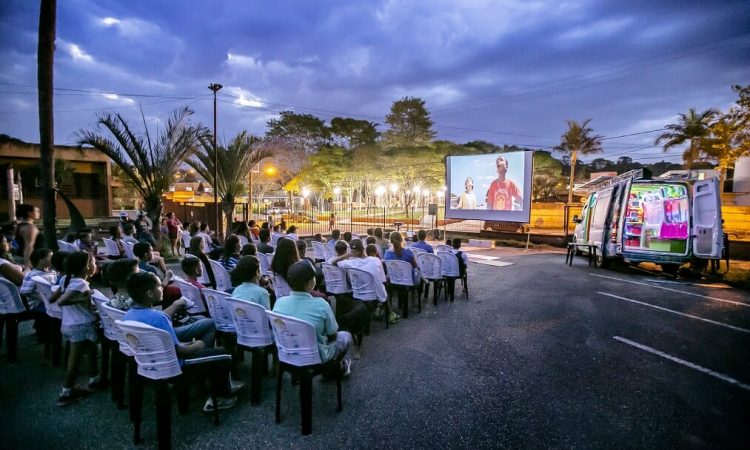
column 707, row 230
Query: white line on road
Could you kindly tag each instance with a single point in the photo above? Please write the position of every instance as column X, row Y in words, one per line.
column 674, row 290
column 721, row 324
column 718, row 375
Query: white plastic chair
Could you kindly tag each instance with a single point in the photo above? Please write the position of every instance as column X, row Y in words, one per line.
column 219, row 309
column 243, row 240
column 400, row 274
column 443, row 248
column 223, row 282
column 109, row 317
column 319, row 251
column 254, row 334
column 336, row 280
column 431, row 267
column 66, row 246
column 191, row 293
column 45, row 291
column 280, row 286
column 329, row 251
column 265, row 263
column 129, row 250
column 367, row 289
column 54, row 314
column 12, row 311
column 417, row 251
column 450, row 270
column 298, row 353
column 111, row 247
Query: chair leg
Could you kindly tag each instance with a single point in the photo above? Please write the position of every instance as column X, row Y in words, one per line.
column 305, row 398
column 136, row 408
column 163, row 415
column 134, row 391
column 279, row 379
column 387, row 313
column 11, row 338
column 403, row 298
column 256, row 374
column 338, row 393
column 107, row 347
column 55, row 337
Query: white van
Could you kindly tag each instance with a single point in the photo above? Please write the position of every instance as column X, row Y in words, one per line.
column 664, row 222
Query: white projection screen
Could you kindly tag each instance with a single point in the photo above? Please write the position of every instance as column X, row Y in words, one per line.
column 489, row 187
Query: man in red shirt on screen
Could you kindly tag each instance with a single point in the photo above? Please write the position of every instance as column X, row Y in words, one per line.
column 502, row 192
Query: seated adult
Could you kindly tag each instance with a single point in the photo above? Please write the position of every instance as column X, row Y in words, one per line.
column 286, row 255
column 231, row 253
column 333, row 344
column 198, row 249
column 8, row 268
column 383, row 243
column 421, row 244
column 264, row 246
column 335, row 236
column 292, row 233
column 357, row 259
column 145, row 290
column 341, row 248
column 246, row 277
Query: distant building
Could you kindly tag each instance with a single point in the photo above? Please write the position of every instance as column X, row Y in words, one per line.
column 85, row 177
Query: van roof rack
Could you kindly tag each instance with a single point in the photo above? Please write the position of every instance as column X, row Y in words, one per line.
column 603, row 182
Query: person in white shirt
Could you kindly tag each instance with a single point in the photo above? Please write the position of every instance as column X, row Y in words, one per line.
column 275, row 235
column 292, row 233
column 357, row 259
column 341, row 248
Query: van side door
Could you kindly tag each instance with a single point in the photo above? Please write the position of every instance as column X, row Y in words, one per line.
column 707, row 230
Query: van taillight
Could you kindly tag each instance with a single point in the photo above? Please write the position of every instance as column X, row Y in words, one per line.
column 614, row 233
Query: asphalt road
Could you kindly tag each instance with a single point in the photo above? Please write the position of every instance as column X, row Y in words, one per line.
column 542, row 355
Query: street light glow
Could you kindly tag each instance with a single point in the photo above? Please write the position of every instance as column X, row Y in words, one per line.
column 426, row 192
column 305, row 192
column 270, row 170
column 379, row 191
column 337, row 190
column 394, row 187
column 417, row 189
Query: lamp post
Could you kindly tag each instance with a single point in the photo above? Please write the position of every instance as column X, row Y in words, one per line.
column 214, row 87
column 336, row 198
column 379, row 192
column 426, row 194
column 305, row 193
column 417, row 189
column 394, row 190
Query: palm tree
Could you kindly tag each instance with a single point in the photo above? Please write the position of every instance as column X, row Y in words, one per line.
column 234, row 163
column 692, row 127
column 578, row 138
column 150, row 165
column 45, row 72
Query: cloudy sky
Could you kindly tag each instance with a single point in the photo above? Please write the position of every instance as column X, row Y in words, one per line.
column 504, row 71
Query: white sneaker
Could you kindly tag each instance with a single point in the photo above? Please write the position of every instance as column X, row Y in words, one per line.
column 346, row 366
column 235, row 386
column 221, row 404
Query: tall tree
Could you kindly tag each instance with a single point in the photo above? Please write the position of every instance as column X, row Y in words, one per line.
column 410, row 123
column 691, row 128
column 301, row 130
column 45, row 86
column 578, row 138
column 350, row 133
column 150, row 164
column 234, row 162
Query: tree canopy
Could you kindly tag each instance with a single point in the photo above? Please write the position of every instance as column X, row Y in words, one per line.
column 409, row 123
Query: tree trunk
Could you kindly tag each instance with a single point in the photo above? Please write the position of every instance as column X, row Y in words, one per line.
column 573, row 160
column 45, row 85
column 153, row 207
column 228, row 209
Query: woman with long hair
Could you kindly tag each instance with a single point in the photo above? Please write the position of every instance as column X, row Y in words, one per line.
column 286, row 254
column 198, row 249
column 231, row 254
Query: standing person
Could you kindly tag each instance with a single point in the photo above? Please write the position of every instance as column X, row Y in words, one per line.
column 173, row 231
column 503, row 192
column 332, row 221
column 26, row 231
column 333, row 344
column 468, row 198
column 78, row 324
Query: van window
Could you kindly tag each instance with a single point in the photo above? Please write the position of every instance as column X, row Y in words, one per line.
column 656, row 218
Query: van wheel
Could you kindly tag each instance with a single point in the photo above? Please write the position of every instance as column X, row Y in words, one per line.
column 670, row 269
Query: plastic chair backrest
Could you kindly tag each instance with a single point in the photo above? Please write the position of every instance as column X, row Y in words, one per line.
column 336, row 280
column 129, row 250
column 111, row 247
column 44, row 288
column 10, row 298
column 417, row 251
column 449, row 264
column 251, row 322
column 265, row 264
column 243, row 240
column 443, row 248
column 106, row 321
column 430, row 266
column 329, row 251
column 295, row 340
column 153, row 349
column 193, row 294
column 111, row 328
column 280, row 286
column 219, row 309
column 399, row 272
column 319, row 250
column 66, row 246
column 223, row 282
column 363, row 285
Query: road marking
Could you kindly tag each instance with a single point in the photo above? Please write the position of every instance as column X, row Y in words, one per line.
column 478, row 256
column 731, row 327
column 491, row 263
column 674, row 290
column 654, row 351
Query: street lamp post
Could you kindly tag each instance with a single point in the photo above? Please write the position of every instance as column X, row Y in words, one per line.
column 214, row 87
column 336, row 198
column 379, row 192
column 426, row 194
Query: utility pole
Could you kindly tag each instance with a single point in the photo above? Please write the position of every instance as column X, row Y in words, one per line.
column 215, row 88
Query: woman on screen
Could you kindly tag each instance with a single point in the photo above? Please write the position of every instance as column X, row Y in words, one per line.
column 468, row 199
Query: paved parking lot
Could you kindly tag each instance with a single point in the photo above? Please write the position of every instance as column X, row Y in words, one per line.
column 541, row 355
